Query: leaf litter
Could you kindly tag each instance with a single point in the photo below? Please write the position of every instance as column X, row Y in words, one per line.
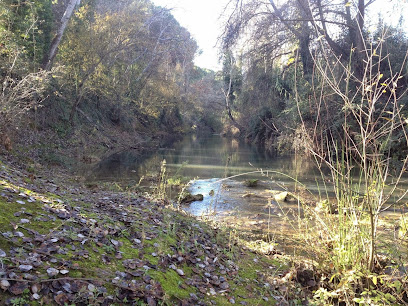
column 65, row 244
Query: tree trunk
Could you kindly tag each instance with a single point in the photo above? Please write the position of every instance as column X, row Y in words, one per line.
column 49, row 57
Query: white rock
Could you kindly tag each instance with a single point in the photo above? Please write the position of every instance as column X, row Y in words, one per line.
column 4, row 284
column 180, row 272
column 52, row 272
column 91, row 287
column 20, row 202
column 36, row 296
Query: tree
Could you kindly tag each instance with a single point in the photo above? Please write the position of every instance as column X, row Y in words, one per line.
column 49, row 57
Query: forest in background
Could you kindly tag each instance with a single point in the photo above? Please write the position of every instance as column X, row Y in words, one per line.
column 123, row 75
column 287, row 63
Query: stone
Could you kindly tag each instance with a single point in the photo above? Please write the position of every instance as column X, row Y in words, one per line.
column 189, row 198
column 180, row 272
column 4, row 284
column 52, row 272
column 25, row 268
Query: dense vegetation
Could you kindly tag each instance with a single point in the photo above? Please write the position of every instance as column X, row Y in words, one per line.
column 121, row 73
column 83, row 78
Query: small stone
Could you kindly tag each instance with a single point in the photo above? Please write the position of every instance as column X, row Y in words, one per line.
column 114, row 242
column 137, row 241
column 63, row 272
column 67, row 287
column 23, row 221
column 222, row 279
column 232, row 301
column 156, row 245
column 53, row 240
column 91, row 287
column 36, row 296
column 25, row 268
column 52, row 272
column 265, row 299
column 4, row 284
column 180, row 272
column 19, row 234
column 224, row 286
column 173, row 267
column 2, row 253
column 80, row 236
column 154, row 254
column 212, row 291
column 20, row 202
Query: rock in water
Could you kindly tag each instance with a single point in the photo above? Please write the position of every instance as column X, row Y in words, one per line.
column 281, row 196
column 188, row 198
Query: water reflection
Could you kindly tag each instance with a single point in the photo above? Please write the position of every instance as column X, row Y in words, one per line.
column 213, row 158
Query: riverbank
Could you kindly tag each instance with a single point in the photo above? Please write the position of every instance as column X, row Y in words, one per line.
column 65, row 243
column 65, row 240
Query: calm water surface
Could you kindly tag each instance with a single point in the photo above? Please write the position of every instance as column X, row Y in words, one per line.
column 209, row 163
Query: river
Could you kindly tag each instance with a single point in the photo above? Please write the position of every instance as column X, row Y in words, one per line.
column 218, row 168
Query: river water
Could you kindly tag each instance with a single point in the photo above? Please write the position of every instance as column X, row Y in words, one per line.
column 218, row 168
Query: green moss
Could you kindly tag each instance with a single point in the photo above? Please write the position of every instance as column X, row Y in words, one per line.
column 128, row 252
column 170, row 282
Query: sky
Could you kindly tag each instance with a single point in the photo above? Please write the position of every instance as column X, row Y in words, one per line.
column 201, row 19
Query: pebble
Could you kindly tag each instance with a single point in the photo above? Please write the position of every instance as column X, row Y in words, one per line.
column 138, row 241
column 172, row 267
column 19, row 234
column 232, row 301
column 115, row 242
column 36, row 296
column 4, row 284
column 23, row 221
column 2, row 253
column 63, row 272
column 91, row 287
column 67, row 287
column 224, row 286
column 52, row 272
column 222, row 279
column 180, row 272
column 20, row 202
column 25, row 268
column 212, row 291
